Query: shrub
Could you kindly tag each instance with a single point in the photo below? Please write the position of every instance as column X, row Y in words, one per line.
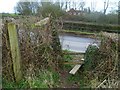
column 90, row 57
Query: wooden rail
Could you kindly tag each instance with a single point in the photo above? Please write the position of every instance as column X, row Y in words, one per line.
column 73, row 53
column 78, row 62
column 74, row 63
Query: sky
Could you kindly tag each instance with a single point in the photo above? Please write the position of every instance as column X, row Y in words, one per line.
column 7, row 6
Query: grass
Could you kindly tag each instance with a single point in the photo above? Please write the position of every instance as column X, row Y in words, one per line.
column 79, row 78
column 67, row 58
column 45, row 79
column 49, row 78
column 8, row 84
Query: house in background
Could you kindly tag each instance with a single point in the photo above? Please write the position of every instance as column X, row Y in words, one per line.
column 75, row 12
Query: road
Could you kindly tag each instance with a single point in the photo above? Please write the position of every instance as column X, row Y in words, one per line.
column 76, row 44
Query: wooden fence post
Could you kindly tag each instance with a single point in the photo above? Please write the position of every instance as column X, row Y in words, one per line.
column 15, row 52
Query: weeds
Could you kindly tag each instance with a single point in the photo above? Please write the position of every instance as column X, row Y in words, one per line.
column 45, row 79
column 21, row 84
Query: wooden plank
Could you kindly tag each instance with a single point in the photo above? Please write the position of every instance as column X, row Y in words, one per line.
column 78, row 59
column 73, row 53
column 74, row 70
column 74, row 63
column 15, row 52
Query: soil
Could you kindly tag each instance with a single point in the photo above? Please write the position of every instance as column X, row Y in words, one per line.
column 64, row 83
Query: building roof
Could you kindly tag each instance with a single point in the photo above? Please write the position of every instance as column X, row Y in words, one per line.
column 73, row 11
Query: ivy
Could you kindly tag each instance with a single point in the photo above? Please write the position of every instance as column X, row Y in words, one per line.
column 91, row 55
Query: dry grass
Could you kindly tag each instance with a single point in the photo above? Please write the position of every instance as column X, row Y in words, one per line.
column 36, row 49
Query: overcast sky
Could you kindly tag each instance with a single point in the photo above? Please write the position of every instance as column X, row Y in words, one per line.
column 7, row 6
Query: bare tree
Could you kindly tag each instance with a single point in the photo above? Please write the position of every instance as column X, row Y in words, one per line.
column 27, row 7
column 119, row 15
column 93, row 5
column 61, row 4
column 75, row 5
column 81, row 5
column 106, row 4
column 69, row 5
column 66, row 6
column 89, row 10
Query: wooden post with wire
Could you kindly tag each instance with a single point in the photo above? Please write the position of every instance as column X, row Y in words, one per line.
column 15, row 52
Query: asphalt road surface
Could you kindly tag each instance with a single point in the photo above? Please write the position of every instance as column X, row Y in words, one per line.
column 76, row 44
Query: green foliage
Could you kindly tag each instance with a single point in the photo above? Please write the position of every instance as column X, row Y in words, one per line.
column 90, row 27
column 45, row 79
column 74, row 78
column 56, row 43
column 55, row 74
column 73, row 17
column 56, row 46
column 108, row 19
column 79, row 78
column 40, row 8
column 38, row 82
column 10, row 15
column 112, row 18
column 67, row 57
column 56, row 78
column 47, row 8
column 26, row 8
column 91, row 57
column 21, row 84
column 94, row 17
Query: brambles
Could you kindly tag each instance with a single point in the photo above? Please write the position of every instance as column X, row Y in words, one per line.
column 40, row 51
column 36, row 48
column 103, row 61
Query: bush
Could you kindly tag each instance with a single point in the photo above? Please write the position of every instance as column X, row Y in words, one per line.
column 94, row 17
column 91, row 55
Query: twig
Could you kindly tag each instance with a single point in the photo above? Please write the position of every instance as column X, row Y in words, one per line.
column 101, row 83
